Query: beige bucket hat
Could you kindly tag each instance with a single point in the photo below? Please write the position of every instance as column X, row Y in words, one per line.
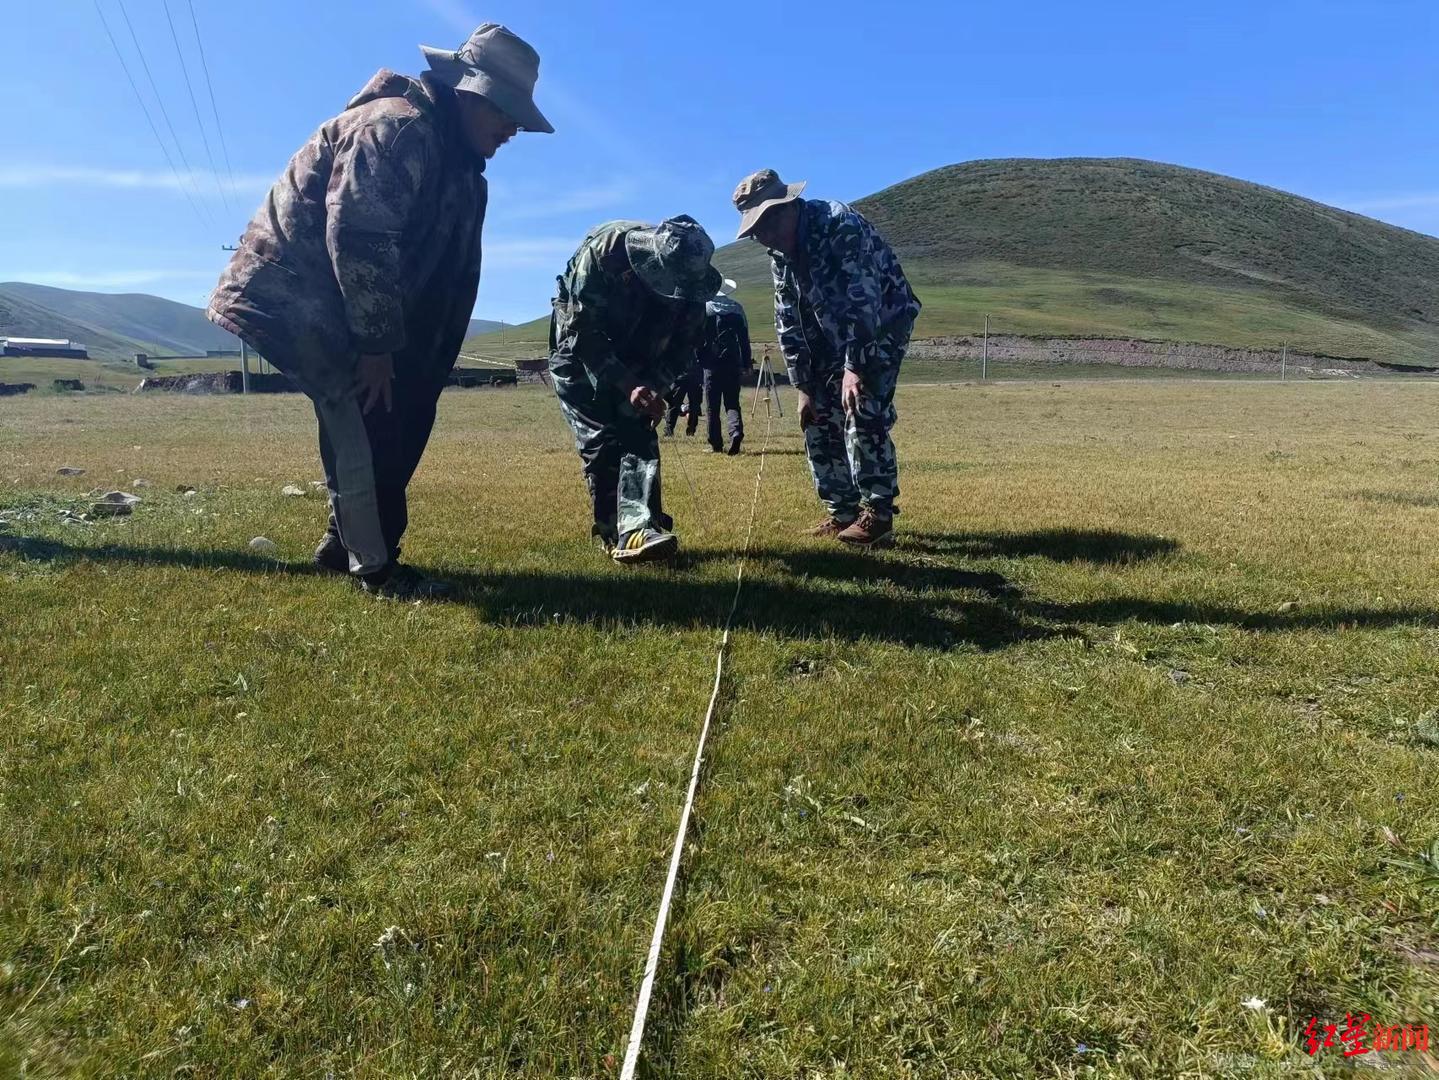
column 759, row 191
column 498, row 65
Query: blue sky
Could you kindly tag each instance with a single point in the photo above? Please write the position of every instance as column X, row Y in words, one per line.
column 661, row 108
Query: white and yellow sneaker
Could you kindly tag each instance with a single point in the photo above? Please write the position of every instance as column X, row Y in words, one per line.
column 645, row 545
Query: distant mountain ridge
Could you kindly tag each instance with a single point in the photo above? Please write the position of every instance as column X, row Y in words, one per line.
column 166, row 324
column 115, row 326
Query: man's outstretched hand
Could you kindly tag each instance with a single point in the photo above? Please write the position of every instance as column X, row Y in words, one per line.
column 376, row 376
column 850, row 392
column 647, row 402
column 806, row 411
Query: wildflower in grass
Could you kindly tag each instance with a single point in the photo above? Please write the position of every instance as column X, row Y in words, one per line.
column 385, row 943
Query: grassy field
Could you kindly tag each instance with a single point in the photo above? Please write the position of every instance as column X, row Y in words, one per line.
column 1039, row 301
column 1137, row 723
column 1042, row 301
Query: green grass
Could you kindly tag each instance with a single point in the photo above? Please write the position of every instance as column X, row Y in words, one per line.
column 1136, row 722
column 1041, row 301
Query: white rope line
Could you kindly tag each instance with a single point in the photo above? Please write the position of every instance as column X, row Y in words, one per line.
column 485, row 360
column 652, row 962
column 700, row 515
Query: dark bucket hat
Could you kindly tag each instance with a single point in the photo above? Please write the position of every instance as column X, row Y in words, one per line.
column 673, row 258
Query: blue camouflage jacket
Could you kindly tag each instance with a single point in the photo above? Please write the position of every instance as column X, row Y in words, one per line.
column 845, row 291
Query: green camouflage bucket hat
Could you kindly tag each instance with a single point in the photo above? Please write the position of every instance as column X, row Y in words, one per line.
column 498, row 65
column 673, row 258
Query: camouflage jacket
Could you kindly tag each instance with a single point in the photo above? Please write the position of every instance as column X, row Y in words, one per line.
column 726, row 341
column 368, row 243
column 616, row 328
column 845, row 290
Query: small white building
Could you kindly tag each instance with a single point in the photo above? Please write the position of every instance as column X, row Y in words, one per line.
column 26, row 346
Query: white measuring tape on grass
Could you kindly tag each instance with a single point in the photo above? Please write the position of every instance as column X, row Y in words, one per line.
column 652, row 962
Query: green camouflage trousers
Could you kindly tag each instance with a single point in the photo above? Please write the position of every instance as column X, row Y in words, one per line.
column 619, row 453
column 852, row 458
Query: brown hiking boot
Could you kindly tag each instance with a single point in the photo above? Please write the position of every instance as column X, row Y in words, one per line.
column 827, row 528
column 869, row 530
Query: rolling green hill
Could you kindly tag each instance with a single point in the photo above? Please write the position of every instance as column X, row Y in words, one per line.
column 20, row 317
column 115, row 326
column 1126, row 248
column 168, row 326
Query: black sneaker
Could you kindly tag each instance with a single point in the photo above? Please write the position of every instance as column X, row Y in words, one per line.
column 645, row 545
column 405, row 583
column 734, row 445
column 331, row 556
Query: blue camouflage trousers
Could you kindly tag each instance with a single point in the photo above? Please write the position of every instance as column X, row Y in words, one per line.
column 852, row 458
column 619, row 453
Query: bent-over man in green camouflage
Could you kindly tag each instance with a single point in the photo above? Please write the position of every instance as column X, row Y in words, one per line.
column 843, row 312
column 628, row 315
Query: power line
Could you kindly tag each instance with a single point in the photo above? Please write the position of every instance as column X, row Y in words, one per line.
column 159, row 99
column 195, row 105
column 179, row 181
column 214, row 109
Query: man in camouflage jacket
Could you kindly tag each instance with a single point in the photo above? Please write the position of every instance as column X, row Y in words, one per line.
column 843, row 314
column 628, row 316
column 358, row 276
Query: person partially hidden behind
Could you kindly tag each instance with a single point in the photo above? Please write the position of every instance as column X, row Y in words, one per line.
column 724, row 357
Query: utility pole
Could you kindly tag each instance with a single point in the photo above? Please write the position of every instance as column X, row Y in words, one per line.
column 1284, row 363
column 984, row 356
column 244, row 349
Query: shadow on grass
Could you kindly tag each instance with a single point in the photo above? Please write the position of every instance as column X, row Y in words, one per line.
column 1099, row 546
column 796, row 606
column 839, row 564
column 793, row 607
column 917, row 605
column 58, row 551
column 1421, row 500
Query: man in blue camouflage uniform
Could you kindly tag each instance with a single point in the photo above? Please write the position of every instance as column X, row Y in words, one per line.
column 843, row 314
column 724, row 358
column 628, row 316
column 357, row 278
